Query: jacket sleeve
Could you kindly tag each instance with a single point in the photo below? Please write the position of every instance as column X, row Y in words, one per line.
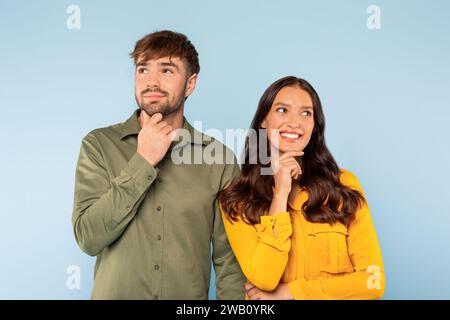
column 368, row 279
column 262, row 249
column 103, row 207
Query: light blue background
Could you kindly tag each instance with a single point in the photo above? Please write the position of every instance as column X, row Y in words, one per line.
column 385, row 95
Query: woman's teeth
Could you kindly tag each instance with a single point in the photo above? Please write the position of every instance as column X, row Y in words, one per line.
column 290, row 135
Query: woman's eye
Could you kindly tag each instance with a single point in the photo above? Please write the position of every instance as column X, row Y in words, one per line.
column 307, row 113
column 281, row 109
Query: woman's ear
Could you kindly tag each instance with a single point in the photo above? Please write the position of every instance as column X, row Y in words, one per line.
column 263, row 124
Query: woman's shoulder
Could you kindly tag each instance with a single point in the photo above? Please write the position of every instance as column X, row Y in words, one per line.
column 349, row 179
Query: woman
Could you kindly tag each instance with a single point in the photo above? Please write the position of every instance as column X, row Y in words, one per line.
column 305, row 231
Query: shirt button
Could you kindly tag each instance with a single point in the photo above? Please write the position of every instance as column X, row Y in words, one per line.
column 128, row 207
column 159, row 180
column 158, row 237
column 156, row 267
column 149, row 177
column 159, row 208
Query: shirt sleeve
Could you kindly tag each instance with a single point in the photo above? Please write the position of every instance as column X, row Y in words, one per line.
column 262, row 249
column 103, row 207
column 368, row 279
column 229, row 277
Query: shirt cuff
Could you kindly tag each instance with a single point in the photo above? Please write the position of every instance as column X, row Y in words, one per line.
column 275, row 231
column 141, row 171
column 302, row 289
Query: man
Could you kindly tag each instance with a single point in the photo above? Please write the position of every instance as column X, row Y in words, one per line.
column 151, row 221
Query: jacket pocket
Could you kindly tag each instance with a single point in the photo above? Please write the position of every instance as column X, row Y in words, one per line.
column 328, row 251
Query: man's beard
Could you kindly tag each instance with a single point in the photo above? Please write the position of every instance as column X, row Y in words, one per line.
column 158, row 107
column 163, row 107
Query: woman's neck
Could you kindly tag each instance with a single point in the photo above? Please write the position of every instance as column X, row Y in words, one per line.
column 295, row 189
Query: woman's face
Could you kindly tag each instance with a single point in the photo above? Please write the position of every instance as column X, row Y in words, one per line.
column 290, row 121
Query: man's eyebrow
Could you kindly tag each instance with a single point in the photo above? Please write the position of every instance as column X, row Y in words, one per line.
column 141, row 63
column 168, row 64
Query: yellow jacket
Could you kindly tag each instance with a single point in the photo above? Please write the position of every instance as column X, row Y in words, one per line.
column 318, row 261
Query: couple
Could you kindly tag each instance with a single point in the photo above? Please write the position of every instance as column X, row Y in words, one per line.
column 302, row 232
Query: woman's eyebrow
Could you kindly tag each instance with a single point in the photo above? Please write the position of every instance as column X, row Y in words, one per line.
column 283, row 103
column 307, row 107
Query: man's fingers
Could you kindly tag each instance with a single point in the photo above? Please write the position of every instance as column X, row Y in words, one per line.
column 173, row 135
column 157, row 117
column 145, row 117
column 167, row 129
column 161, row 125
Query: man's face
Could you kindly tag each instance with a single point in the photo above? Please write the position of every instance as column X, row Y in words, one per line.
column 161, row 85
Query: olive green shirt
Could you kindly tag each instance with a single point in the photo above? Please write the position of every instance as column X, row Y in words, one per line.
column 153, row 228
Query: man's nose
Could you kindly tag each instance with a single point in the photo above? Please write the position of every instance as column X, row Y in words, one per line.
column 153, row 80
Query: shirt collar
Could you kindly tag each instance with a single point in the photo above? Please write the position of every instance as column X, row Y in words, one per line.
column 132, row 127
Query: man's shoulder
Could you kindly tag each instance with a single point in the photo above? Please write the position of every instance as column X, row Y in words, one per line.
column 113, row 131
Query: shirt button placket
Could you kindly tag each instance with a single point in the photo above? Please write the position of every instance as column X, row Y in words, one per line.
column 158, row 253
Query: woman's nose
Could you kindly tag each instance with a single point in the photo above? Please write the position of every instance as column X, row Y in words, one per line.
column 294, row 125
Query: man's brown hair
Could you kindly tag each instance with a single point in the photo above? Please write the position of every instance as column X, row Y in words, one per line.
column 167, row 43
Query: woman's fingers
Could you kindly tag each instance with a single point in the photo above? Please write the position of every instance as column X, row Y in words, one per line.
column 293, row 166
column 257, row 296
column 253, row 291
column 248, row 286
column 291, row 154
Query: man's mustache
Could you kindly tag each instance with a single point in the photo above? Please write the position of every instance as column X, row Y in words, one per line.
column 148, row 90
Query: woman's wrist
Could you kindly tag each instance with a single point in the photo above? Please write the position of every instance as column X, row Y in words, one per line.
column 279, row 203
column 286, row 292
column 281, row 193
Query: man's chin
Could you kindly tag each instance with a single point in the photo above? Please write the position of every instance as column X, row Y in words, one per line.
column 152, row 109
column 165, row 111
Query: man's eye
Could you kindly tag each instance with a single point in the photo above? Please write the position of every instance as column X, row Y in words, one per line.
column 142, row 70
column 281, row 109
column 167, row 71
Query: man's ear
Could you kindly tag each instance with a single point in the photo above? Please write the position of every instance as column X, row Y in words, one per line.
column 191, row 82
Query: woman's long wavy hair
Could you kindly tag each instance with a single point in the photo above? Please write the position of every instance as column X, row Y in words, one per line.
column 250, row 195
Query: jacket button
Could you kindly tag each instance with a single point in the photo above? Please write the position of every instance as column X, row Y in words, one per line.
column 159, row 208
column 156, row 267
